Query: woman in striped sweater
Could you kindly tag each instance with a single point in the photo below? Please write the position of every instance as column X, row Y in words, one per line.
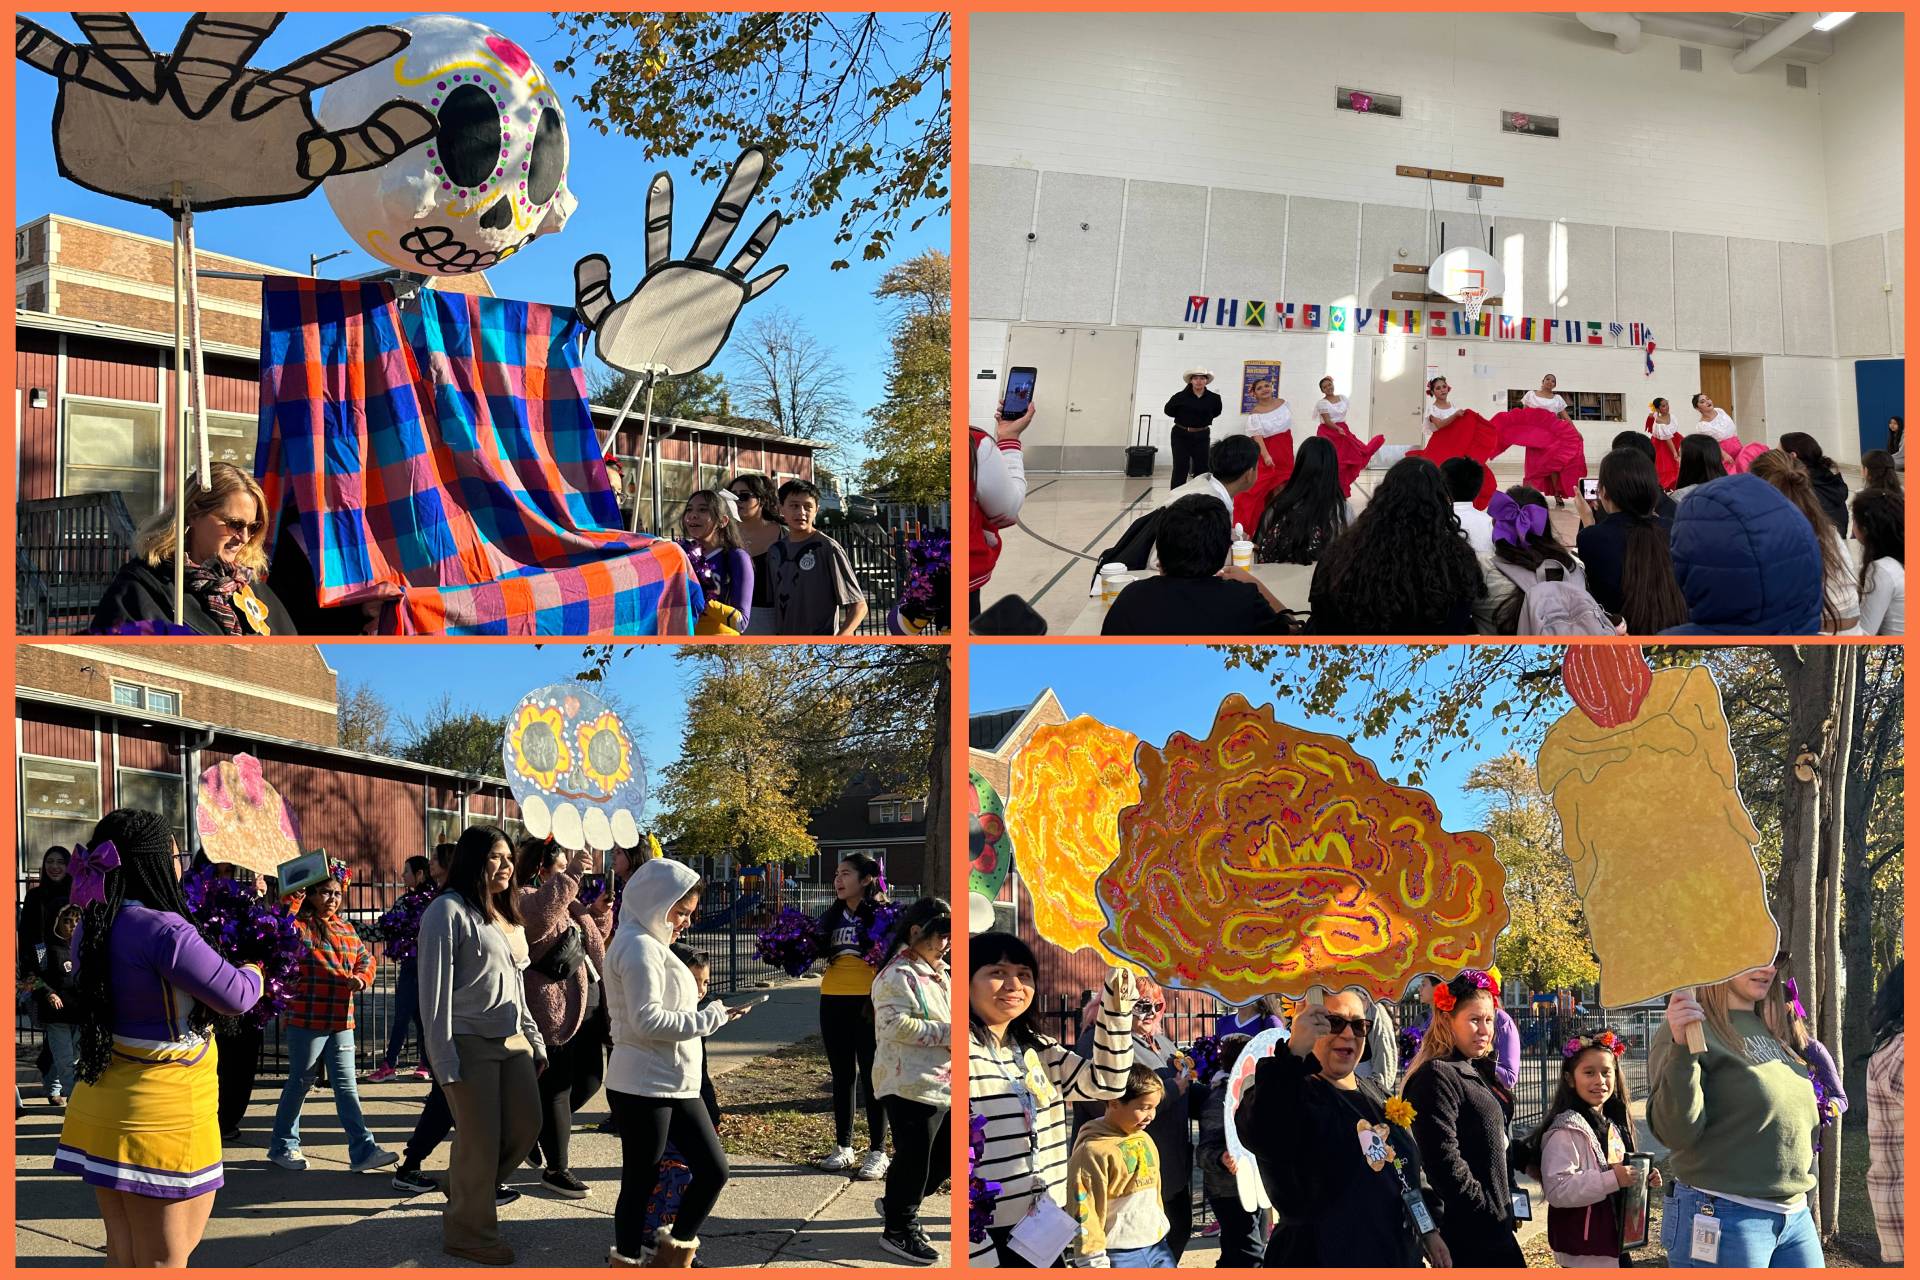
column 1019, row 1081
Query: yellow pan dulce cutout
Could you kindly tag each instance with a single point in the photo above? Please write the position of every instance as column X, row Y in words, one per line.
column 1662, row 847
column 1070, row 782
column 1267, row 859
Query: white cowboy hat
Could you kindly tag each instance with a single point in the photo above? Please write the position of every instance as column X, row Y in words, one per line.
column 1198, row 371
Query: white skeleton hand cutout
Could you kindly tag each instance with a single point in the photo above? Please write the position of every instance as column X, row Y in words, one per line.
column 130, row 123
column 680, row 316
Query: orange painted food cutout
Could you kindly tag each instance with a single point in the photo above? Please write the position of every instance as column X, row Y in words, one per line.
column 1070, row 782
column 1264, row 858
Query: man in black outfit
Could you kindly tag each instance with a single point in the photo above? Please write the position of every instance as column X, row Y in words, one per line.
column 1193, row 411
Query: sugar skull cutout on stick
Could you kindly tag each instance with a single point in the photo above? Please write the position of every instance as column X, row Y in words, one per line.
column 1266, row 859
column 491, row 179
column 241, row 819
column 1070, row 782
column 574, row 769
column 135, row 125
column 1642, row 776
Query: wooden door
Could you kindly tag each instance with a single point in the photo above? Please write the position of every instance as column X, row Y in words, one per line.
column 1716, row 380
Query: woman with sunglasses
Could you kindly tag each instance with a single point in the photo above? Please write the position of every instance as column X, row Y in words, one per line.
column 759, row 528
column 1171, row 1133
column 1339, row 1203
column 226, row 575
column 1741, row 1120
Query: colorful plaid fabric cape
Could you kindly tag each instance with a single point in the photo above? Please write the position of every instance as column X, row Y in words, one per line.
column 443, row 459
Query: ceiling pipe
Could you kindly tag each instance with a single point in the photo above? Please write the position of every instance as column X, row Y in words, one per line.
column 1775, row 41
column 1623, row 27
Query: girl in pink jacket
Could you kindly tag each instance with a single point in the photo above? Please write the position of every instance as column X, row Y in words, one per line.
column 1584, row 1146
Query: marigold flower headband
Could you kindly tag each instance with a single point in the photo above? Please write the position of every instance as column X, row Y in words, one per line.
column 1603, row 1040
column 1444, row 998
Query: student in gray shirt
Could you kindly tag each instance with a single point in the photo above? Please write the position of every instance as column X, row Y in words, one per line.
column 481, row 1038
column 814, row 591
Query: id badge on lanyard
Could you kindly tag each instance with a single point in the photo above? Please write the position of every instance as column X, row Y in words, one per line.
column 1706, row 1236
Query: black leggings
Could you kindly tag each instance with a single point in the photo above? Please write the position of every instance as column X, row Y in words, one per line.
column 920, row 1159
column 556, row 1103
column 645, row 1126
column 846, row 1023
column 237, row 1069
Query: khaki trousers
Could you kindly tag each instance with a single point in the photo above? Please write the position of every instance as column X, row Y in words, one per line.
column 496, row 1118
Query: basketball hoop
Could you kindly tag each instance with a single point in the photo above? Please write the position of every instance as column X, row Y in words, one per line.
column 1467, row 276
column 1470, row 302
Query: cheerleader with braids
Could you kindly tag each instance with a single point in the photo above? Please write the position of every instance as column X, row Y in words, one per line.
column 143, row 1128
column 846, row 1015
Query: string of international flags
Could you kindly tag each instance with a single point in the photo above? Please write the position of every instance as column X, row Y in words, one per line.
column 1234, row 313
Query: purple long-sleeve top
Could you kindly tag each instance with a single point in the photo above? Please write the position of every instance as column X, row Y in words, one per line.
column 1821, row 1063
column 157, row 958
column 733, row 568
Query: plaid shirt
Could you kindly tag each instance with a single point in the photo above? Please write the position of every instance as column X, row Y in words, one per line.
column 323, row 997
column 1887, row 1178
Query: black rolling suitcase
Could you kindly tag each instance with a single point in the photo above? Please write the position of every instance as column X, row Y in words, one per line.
column 1140, row 455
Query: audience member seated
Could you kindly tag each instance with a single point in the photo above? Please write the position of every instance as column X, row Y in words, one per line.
column 1624, row 547
column 1195, row 594
column 1748, row 563
column 1402, row 569
column 1701, row 460
column 1641, row 442
column 1527, row 557
column 1876, row 465
column 1305, row 515
column 1463, row 477
column 226, row 588
column 1840, row 603
column 1880, row 527
column 1828, row 485
column 1232, row 465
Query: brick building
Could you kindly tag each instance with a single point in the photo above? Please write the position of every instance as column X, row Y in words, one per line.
column 99, row 727
column 94, row 387
column 886, row 825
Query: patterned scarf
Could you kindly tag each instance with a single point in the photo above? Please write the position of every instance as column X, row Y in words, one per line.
column 213, row 584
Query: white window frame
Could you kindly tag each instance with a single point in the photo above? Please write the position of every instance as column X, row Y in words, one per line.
column 252, row 420
column 68, row 403
column 27, row 844
column 430, row 814
column 180, row 831
column 146, row 696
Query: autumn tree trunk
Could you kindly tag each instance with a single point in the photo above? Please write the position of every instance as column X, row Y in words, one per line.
column 939, row 789
column 1837, row 769
column 1808, row 674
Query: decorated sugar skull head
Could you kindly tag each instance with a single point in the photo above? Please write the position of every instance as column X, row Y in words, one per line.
column 574, row 769
column 241, row 819
column 491, row 179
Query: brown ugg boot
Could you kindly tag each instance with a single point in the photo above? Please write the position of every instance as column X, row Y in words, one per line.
column 670, row 1254
column 617, row 1259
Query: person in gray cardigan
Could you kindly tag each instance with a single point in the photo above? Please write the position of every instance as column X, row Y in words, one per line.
column 481, row 1037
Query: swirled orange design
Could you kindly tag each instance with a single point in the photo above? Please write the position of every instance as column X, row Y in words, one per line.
column 1264, row 858
column 1070, row 782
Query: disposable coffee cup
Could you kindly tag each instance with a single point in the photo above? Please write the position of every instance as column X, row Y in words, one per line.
column 1242, row 554
column 1112, row 578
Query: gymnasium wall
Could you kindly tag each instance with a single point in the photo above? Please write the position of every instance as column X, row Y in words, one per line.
column 1153, row 156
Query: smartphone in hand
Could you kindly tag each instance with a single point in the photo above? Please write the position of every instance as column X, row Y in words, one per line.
column 1019, row 397
column 1590, row 488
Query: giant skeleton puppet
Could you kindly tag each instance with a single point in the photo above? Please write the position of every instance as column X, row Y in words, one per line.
column 200, row 129
column 683, row 310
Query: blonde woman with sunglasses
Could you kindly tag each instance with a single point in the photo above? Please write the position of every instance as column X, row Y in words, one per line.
column 226, row 587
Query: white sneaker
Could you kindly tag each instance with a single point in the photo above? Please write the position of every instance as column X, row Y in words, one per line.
column 290, row 1160
column 838, row 1160
column 873, row 1166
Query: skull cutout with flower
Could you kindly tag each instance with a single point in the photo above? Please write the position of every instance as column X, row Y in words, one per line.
column 574, row 769
column 241, row 819
column 493, row 176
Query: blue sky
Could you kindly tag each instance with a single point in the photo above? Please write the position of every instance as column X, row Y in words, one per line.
column 607, row 175
column 1157, row 690
column 491, row 678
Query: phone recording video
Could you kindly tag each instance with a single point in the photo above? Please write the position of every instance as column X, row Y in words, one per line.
column 1019, row 397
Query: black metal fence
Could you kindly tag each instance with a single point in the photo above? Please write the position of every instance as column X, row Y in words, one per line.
column 876, row 543
column 726, row 929
column 67, row 550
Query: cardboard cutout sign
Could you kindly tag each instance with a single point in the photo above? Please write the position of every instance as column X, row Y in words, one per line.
column 1246, row 1176
column 574, row 769
column 1268, row 859
column 241, row 819
column 1642, row 775
column 988, row 844
column 680, row 315
column 491, row 179
column 135, row 125
column 1070, row 782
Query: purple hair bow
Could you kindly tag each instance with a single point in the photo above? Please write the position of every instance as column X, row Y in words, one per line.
column 89, row 871
column 1513, row 523
column 1792, row 989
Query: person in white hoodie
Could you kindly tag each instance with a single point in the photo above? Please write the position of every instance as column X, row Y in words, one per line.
column 913, row 1070
column 653, row 1080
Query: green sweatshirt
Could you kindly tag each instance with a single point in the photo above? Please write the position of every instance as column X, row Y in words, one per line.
column 1741, row 1127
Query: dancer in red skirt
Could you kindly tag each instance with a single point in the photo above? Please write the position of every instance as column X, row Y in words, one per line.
column 1354, row 455
column 1666, row 442
column 1271, row 426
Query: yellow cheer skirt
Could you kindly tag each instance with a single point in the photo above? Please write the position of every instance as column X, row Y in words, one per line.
column 151, row 1123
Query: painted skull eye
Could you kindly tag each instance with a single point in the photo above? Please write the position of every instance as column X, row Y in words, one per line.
column 549, row 163
column 540, row 747
column 469, row 135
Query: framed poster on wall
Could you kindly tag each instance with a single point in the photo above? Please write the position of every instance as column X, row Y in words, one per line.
column 1253, row 373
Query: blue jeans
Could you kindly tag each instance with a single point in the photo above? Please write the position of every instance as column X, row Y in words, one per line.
column 1748, row 1237
column 63, row 1042
column 1154, row 1255
column 305, row 1050
column 1242, row 1242
column 406, row 1012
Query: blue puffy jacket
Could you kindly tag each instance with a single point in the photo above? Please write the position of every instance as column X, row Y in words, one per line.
column 1747, row 561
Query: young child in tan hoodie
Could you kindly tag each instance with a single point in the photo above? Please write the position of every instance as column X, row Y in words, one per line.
column 1114, row 1181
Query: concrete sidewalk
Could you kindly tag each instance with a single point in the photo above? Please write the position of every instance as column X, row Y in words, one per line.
column 771, row 1213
